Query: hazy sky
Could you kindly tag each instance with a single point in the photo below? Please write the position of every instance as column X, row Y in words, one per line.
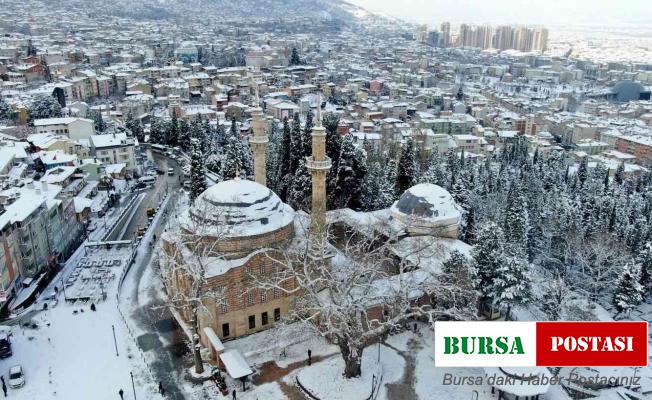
column 550, row 12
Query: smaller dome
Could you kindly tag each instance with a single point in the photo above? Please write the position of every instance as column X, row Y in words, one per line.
column 428, row 209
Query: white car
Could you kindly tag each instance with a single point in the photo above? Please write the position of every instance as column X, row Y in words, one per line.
column 16, row 377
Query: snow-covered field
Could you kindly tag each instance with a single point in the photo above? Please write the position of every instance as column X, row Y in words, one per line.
column 71, row 354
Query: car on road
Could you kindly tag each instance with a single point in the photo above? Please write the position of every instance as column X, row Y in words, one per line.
column 141, row 232
column 170, row 171
column 186, row 184
column 5, row 345
column 16, row 377
column 147, row 179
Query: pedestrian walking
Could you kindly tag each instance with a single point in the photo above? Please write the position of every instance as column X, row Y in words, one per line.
column 309, row 357
column 122, row 394
column 233, row 393
column 4, row 387
column 161, row 389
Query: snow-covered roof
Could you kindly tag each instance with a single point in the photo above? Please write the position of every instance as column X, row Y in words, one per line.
column 429, row 204
column 237, row 208
column 235, row 364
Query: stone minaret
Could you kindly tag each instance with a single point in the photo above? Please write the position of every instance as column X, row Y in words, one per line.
column 318, row 164
column 259, row 144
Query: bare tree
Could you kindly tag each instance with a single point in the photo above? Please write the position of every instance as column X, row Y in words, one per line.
column 357, row 296
column 188, row 251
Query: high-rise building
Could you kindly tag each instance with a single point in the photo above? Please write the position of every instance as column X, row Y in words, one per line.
column 445, row 34
column 504, row 37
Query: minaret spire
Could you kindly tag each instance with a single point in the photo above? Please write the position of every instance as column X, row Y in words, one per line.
column 318, row 164
column 259, row 141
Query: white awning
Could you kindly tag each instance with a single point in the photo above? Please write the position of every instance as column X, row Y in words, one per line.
column 235, row 364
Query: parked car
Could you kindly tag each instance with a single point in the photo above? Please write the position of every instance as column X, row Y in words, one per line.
column 186, row 184
column 5, row 345
column 170, row 171
column 16, row 377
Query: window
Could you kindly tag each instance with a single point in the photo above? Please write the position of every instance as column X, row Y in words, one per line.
column 264, row 318
column 262, row 269
column 263, row 296
column 224, row 307
column 250, row 298
column 277, row 314
column 225, row 330
column 277, row 293
column 252, row 322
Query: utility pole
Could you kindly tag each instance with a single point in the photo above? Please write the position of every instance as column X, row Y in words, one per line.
column 133, row 387
column 115, row 341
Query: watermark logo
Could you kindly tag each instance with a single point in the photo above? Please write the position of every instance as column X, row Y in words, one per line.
column 528, row 344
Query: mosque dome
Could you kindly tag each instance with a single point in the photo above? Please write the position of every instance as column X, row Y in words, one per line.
column 428, row 209
column 240, row 210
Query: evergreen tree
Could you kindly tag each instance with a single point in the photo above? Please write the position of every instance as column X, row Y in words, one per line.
column 455, row 263
column 98, row 122
column 172, row 131
column 5, row 111
column 157, row 131
column 184, row 135
column 301, row 190
column 231, row 162
column 583, row 170
column 407, row 169
column 306, row 139
column 515, row 221
column 350, row 173
column 628, row 293
column 644, row 259
column 294, row 57
column 296, row 148
column 468, row 233
column 197, row 172
column 513, row 283
column 273, row 156
column 44, row 107
column 619, row 176
column 135, row 128
column 488, row 258
column 435, row 172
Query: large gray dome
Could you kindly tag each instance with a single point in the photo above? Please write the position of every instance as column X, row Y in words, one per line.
column 428, row 209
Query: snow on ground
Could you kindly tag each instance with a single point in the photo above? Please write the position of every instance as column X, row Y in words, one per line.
column 324, row 379
column 71, row 355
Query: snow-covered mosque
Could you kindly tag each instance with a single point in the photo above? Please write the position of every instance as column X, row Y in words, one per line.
column 243, row 224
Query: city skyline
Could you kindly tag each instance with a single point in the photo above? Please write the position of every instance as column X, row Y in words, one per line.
column 548, row 12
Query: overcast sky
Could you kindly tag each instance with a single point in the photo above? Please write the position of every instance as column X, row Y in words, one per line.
column 550, row 12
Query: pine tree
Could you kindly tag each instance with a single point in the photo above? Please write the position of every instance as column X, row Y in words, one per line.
column 619, row 176
column 294, row 57
column 435, row 172
column 157, row 131
column 628, row 293
column 296, row 148
column 583, row 170
column 306, row 139
column 488, row 258
column 301, row 190
column 273, row 156
column 135, row 128
column 231, row 162
column 98, row 122
column 468, row 233
column 44, row 107
column 350, row 173
column 172, row 131
column 197, row 172
column 513, row 283
column 406, row 173
column 644, row 259
column 5, row 111
column 455, row 263
column 515, row 221
column 184, row 135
